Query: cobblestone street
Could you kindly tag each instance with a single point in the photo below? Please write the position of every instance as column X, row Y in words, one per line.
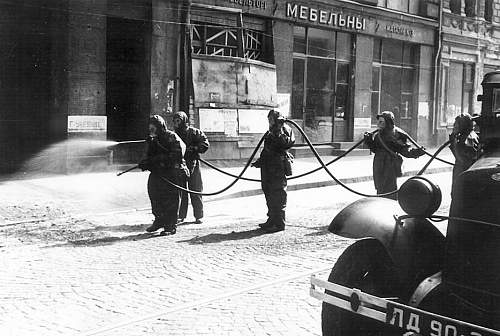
column 105, row 276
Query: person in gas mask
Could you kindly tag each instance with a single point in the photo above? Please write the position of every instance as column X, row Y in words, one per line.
column 196, row 143
column 165, row 161
column 464, row 144
column 274, row 164
column 389, row 144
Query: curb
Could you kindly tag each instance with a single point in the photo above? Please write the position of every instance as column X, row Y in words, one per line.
column 320, row 184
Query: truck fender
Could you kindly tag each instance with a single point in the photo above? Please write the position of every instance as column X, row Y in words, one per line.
column 415, row 245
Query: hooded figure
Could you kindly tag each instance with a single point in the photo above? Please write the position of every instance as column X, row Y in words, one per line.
column 464, row 144
column 164, row 159
column 272, row 163
column 389, row 144
column 196, row 143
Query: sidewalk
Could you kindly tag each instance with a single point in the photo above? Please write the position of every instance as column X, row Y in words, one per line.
column 26, row 199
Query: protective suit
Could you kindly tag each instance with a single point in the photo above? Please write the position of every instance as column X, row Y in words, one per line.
column 196, row 143
column 272, row 163
column 464, row 145
column 164, row 159
column 388, row 145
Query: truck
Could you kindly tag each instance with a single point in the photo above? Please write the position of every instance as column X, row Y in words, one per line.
column 402, row 276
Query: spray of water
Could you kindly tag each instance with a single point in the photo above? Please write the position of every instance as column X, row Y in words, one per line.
column 69, row 156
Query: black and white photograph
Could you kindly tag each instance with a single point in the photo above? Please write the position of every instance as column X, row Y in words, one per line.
column 250, row 167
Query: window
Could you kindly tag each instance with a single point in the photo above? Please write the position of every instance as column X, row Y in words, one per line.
column 393, row 78
column 470, row 8
column 488, row 10
column 298, row 87
column 458, row 85
column 299, row 40
column 321, row 43
column 219, row 40
column 456, row 6
column 321, row 80
column 407, row 6
column 399, row 5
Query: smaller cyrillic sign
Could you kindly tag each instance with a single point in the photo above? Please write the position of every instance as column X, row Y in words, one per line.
column 86, row 123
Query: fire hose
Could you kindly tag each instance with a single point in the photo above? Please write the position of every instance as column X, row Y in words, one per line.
column 318, row 158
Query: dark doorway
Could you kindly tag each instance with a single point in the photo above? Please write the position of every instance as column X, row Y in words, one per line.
column 127, row 78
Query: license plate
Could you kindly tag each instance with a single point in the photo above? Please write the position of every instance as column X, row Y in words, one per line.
column 427, row 324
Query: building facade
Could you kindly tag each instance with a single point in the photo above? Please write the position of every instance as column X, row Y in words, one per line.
column 332, row 66
column 469, row 49
column 99, row 68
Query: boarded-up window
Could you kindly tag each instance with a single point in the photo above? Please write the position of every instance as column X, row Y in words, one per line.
column 219, row 33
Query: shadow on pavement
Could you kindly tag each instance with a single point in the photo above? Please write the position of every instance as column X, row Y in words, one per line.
column 319, row 231
column 221, row 237
column 107, row 240
column 119, row 228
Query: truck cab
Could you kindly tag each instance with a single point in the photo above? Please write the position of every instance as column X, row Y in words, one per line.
column 401, row 275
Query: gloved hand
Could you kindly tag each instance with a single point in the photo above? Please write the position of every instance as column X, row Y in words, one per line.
column 256, row 164
column 417, row 152
column 367, row 136
column 152, row 139
column 144, row 165
column 192, row 149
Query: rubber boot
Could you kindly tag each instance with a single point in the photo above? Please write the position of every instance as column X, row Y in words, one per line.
column 157, row 224
column 266, row 224
column 277, row 224
column 170, row 228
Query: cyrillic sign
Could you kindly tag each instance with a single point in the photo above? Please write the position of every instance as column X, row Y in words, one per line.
column 401, row 30
column 259, row 4
column 86, row 123
column 325, row 17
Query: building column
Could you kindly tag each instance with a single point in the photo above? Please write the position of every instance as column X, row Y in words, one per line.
column 164, row 57
column 87, row 59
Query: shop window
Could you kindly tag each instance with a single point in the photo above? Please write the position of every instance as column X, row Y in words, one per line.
column 321, row 82
column 488, row 10
column 299, row 40
column 458, row 91
column 456, row 6
column 320, row 85
column 409, row 55
column 321, row 43
column 393, row 79
column 343, row 73
column 342, row 90
column 298, row 87
column 377, row 48
column 344, row 43
column 392, row 52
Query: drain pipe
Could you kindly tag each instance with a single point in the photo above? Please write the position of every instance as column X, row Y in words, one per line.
column 437, row 68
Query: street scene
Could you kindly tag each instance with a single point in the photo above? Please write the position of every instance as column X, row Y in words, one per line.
column 95, row 271
column 250, row 167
